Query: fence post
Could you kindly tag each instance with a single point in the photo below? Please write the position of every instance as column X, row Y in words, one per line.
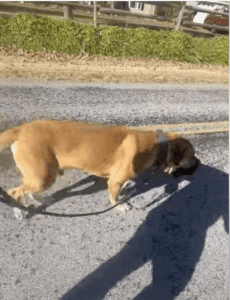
column 95, row 13
column 67, row 12
column 180, row 16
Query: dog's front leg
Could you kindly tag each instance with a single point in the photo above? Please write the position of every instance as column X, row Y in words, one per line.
column 122, row 170
column 114, row 192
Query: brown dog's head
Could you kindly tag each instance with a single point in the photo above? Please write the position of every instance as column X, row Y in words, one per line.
column 180, row 157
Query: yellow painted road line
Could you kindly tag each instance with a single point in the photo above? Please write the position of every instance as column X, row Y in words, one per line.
column 201, row 131
column 162, row 126
column 194, row 128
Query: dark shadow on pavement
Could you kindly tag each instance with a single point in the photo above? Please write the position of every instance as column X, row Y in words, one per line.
column 143, row 183
column 93, row 184
column 172, row 237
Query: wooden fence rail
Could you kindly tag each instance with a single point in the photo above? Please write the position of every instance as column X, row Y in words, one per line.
column 111, row 16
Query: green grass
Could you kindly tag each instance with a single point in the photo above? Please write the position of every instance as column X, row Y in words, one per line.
column 39, row 33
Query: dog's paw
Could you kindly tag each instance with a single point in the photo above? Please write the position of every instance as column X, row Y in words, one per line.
column 124, row 207
column 18, row 213
column 127, row 184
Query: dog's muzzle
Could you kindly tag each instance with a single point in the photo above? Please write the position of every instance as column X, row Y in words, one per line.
column 176, row 172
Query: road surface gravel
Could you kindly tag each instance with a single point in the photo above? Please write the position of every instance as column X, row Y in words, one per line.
column 173, row 243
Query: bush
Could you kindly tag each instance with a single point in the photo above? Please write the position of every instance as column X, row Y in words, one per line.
column 40, row 33
column 214, row 51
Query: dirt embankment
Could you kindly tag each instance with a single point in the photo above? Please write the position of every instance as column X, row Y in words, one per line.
column 85, row 68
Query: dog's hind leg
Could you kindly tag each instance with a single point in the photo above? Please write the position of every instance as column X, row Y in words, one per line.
column 39, row 168
column 33, row 183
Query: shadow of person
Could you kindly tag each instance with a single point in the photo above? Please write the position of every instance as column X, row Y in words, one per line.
column 172, row 237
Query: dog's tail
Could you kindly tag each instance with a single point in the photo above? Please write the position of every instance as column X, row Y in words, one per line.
column 8, row 137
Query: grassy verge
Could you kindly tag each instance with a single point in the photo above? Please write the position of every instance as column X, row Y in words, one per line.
column 39, row 33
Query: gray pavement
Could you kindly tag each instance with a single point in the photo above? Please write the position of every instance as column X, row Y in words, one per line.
column 175, row 248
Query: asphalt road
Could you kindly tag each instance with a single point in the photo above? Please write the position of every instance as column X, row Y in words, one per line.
column 173, row 243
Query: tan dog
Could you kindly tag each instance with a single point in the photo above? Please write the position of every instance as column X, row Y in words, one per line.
column 43, row 149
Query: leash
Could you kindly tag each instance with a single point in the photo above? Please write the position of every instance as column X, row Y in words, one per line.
column 32, row 210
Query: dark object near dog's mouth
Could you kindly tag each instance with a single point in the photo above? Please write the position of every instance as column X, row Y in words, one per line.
column 189, row 171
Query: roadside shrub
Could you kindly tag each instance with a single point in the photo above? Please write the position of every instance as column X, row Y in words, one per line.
column 179, row 46
column 143, row 43
column 38, row 33
column 112, row 41
column 213, row 51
